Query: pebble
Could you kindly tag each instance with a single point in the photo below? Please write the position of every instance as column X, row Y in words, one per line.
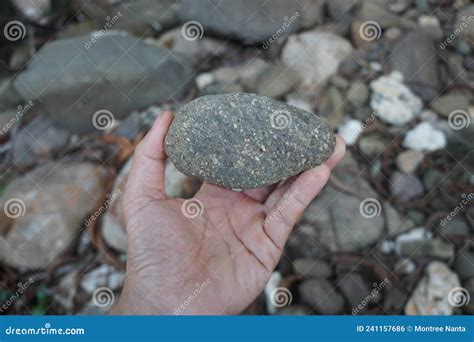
column 104, row 275
column 446, row 104
column 463, row 262
column 431, row 296
column 242, row 141
column 419, row 66
column 350, row 131
column 424, row 137
column 431, row 26
column 408, row 161
column 311, row 268
column 321, row 295
column 358, row 93
column 373, row 144
column 405, row 186
column 419, row 242
column 394, row 102
column 324, row 51
column 354, row 287
column 353, row 225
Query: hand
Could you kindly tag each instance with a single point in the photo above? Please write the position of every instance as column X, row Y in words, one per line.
column 217, row 262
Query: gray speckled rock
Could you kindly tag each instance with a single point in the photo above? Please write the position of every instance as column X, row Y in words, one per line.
column 245, row 141
column 74, row 78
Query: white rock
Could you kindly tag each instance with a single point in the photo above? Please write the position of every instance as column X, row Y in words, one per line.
column 434, row 292
column 418, row 234
column 315, row 56
column 104, row 275
column 387, row 246
column 204, row 79
column 350, row 131
column 273, row 283
column 394, row 101
column 424, row 137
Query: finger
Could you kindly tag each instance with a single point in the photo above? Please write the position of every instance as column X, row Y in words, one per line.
column 147, row 175
column 337, row 155
column 260, row 194
column 284, row 214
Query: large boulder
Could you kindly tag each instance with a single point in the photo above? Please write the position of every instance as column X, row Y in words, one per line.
column 77, row 77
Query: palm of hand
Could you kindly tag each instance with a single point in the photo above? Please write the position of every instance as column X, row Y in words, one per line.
column 212, row 254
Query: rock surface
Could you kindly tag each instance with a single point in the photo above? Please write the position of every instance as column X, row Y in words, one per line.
column 394, row 101
column 315, row 56
column 53, row 201
column 38, row 139
column 354, row 224
column 104, row 275
column 431, row 296
column 125, row 81
column 405, row 186
column 419, row 65
column 243, row 140
column 9, row 97
column 311, row 268
column 321, row 295
column 251, row 21
column 198, row 52
column 424, row 137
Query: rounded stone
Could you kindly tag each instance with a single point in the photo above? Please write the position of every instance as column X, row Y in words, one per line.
column 244, row 141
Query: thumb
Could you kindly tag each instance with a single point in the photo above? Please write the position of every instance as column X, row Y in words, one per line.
column 147, row 176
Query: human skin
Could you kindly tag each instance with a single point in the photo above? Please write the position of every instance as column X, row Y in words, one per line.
column 218, row 262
